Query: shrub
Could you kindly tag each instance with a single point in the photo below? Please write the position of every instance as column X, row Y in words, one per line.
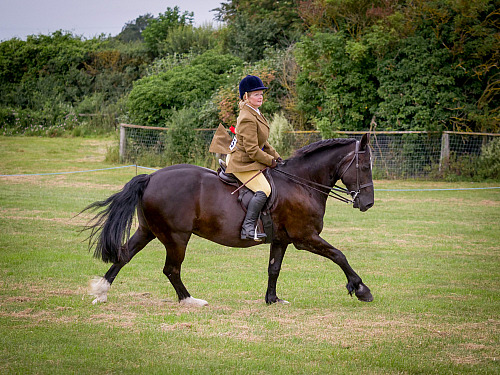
column 154, row 99
column 471, row 167
column 182, row 143
column 52, row 121
column 489, row 161
column 188, row 39
column 461, row 168
column 281, row 136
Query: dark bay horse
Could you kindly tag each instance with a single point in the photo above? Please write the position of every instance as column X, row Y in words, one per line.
column 175, row 202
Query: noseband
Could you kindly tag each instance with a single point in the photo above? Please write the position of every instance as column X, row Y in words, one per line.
column 333, row 191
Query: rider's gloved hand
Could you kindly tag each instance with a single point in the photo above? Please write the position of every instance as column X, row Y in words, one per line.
column 274, row 164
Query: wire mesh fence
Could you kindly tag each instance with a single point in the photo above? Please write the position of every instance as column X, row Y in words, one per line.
column 395, row 154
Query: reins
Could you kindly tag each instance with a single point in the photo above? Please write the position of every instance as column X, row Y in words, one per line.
column 333, row 191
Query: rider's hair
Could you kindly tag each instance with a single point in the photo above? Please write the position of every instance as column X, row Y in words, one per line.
column 242, row 103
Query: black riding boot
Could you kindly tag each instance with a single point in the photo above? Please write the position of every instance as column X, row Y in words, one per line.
column 254, row 207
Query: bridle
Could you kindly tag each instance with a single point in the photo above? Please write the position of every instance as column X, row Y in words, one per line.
column 334, row 191
column 354, row 194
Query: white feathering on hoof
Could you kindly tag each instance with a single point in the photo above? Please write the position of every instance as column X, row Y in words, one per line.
column 193, row 302
column 99, row 288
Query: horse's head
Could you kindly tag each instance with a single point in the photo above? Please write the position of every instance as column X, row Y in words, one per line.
column 356, row 174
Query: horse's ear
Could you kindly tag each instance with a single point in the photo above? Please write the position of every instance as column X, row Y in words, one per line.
column 365, row 140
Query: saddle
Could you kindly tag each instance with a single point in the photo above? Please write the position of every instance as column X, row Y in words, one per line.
column 264, row 223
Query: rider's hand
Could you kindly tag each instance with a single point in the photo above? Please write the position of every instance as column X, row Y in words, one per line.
column 274, row 164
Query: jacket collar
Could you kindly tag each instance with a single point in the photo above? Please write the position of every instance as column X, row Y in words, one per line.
column 260, row 117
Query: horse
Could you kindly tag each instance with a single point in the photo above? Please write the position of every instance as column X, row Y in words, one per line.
column 180, row 200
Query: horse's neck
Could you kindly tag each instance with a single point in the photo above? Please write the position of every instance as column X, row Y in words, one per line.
column 320, row 167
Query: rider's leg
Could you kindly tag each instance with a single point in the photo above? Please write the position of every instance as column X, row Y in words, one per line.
column 262, row 189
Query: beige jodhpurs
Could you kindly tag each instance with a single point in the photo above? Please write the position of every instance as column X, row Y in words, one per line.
column 259, row 183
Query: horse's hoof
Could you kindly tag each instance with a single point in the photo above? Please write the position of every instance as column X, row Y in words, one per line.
column 99, row 288
column 278, row 300
column 190, row 301
column 363, row 293
column 100, row 299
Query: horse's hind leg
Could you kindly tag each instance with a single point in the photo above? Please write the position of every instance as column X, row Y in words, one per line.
column 175, row 245
column 99, row 287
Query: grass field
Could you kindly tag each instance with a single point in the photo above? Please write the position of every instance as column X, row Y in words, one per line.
column 431, row 259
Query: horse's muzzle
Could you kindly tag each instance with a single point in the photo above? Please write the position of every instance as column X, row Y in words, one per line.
column 362, row 203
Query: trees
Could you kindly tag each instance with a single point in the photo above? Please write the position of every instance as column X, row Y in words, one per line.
column 420, row 65
column 47, row 79
column 254, row 25
column 337, row 89
column 331, row 65
column 132, row 31
column 159, row 28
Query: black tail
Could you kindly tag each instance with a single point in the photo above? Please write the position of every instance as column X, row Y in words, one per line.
column 110, row 227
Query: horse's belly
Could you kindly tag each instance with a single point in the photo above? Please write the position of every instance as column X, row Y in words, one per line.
column 194, row 200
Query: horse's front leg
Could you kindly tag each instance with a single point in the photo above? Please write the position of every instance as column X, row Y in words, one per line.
column 317, row 245
column 275, row 259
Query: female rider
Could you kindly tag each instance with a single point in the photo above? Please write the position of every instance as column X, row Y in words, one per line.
column 250, row 152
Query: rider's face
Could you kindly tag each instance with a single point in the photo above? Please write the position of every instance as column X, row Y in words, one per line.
column 255, row 98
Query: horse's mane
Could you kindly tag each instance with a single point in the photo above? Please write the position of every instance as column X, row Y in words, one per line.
column 321, row 145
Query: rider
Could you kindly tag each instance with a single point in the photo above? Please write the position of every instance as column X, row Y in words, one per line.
column 250, row 152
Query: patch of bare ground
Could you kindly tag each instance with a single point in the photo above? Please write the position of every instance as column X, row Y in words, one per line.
column 99, row 150
column 59, row 181
column 175, row 327
column 124, row 319
column 86, row 184
column 481, row 345
column 67, row 220
column 59, row 314
column 27, row 215
column 338, row 328
column 33, row 291
column 20, row 299
column 37, row 317
column 13, row 180
column 473, row 354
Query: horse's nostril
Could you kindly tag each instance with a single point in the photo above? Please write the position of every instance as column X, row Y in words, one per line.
column 370, row 205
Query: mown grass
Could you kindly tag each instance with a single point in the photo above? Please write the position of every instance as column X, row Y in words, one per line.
column 430, row 258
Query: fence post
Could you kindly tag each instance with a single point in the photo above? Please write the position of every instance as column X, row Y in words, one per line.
column 123, row 143
column 445, row 151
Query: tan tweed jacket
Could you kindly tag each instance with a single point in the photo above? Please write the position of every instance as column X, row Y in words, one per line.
column 251, row 152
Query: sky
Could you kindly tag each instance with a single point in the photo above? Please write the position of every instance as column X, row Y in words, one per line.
column 89, row 18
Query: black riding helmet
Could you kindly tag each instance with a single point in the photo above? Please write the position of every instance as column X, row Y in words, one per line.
column 249, row 84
